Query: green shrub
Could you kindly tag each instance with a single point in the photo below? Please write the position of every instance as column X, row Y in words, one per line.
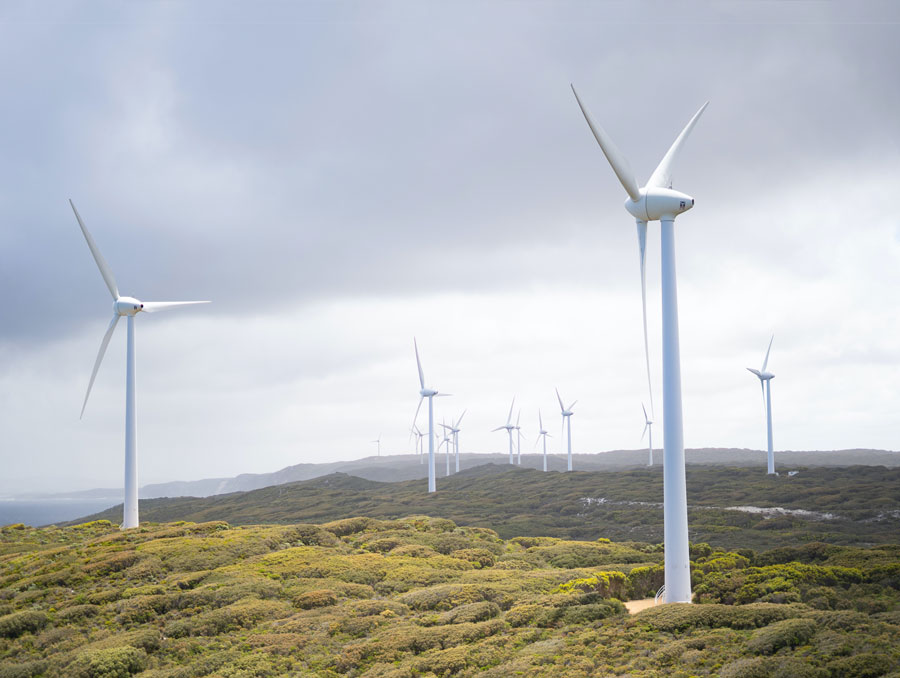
column 681, row 616
column 645, row 581
column 78, row 612
column 584, row 614
column 243, row 614
column 443, row 662
column 114, row 563
column 15, row 624
column 481, row 557
column 612, row 584
column 23, row 670
column 786, row 633
column 860, row 666
column 471, row 612
column 116, row 662
column 523, row 615
column 771, row 667
column 318, row 598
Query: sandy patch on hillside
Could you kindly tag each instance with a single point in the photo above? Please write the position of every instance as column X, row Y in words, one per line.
column 634, row 606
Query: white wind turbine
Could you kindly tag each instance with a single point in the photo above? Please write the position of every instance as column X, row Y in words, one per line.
column 518, row 439
column 454, row 432
column 566, row 412
column 414, row 431
column 648, row 428
column 658, row 202
column 542, row 434
column 509, row 429
column 377, row 441
column 446, row 441
column 765, row 383
column 128, row 307
column 427, row 393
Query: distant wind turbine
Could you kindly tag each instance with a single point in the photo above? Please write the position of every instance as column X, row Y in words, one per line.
column 542, row 434
column 377, row 441
column 414, row 431
column 454, row 432
column 648, row 428
column 427, row 393
column 509, row 429
column 519, row 439
column 446, row 441
column 656, row 201
column 566, row 412
column 128, row 307
column 765, row 383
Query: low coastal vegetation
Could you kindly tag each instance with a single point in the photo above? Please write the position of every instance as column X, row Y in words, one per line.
column 730, row 507
column 426, row 597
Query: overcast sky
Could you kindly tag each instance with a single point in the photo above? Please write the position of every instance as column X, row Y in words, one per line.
column 338, row 177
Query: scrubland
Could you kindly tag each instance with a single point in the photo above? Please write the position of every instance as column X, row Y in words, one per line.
column 420, row 596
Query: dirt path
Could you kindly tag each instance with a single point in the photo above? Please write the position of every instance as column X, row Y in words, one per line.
column 634, row 606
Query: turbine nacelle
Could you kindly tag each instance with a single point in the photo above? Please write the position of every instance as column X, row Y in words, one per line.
column 763, row 376
column 427, row 393
column 656, row 203
column 127, row 306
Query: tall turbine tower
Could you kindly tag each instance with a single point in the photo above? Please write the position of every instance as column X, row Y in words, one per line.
column 509, row 429
column 765, row 382
column 658, row 202
column 128, row 307
column 377, row 441
column 566, row 412
column 446, row 441
column 427, row 393
column 648, row 428
column 543, row 434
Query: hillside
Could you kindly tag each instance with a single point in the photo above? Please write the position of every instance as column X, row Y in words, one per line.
column 849, row 505
column 422, row 597
column 396, row 467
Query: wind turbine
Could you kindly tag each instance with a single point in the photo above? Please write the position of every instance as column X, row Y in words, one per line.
column 765, row 383
column 648, row 428
column 427, row 393
column 509, row 429
column 446, row 441
column 542, row 434
column 377, row 441
column 566, row 412
column 519, row 439
column 128, row 307
column 656, row 201
column 454, row 432
column 414, row 431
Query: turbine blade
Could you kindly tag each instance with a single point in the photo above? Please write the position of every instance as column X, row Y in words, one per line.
column 540, row 421
column 562, row 408
column 154, row 306
column 499, row 428
column 617, row 161
column 646, row 426
column 509, row 416
column 442, row 395
column 756, row 372
column 662, row 175
column 105, row 270
column 762, row 387
column 459, row 421
column 419, row 365
column 766, row 361
column 103, row 344
column 646, row 418
column 518, row 418
column 572, row 405
column 642, row 247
